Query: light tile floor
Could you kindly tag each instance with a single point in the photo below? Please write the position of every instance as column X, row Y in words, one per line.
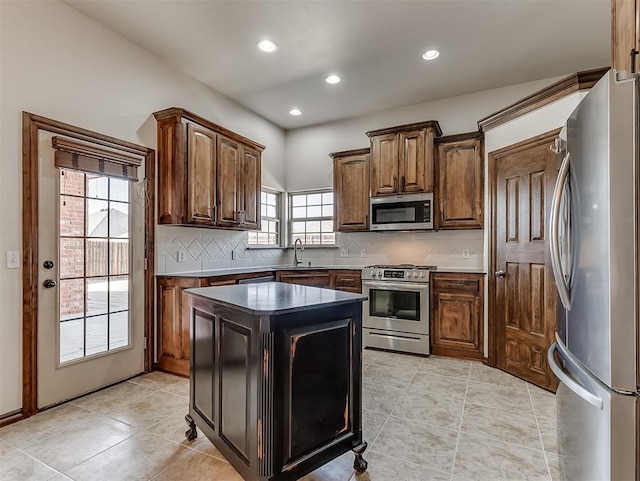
column 424, row 419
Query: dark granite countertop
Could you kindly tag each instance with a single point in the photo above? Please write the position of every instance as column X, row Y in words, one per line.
column 275, row 297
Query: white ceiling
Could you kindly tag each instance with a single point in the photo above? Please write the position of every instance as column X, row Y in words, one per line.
column 375, row 46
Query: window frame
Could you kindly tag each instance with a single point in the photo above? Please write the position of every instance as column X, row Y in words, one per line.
column 279, row 220
column 290, row 218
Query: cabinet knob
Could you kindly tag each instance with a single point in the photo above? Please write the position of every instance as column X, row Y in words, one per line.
column 499, row 273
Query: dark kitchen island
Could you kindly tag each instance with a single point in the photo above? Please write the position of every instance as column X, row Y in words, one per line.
column 276, row 376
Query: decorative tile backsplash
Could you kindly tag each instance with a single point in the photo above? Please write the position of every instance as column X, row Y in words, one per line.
column 190, row 249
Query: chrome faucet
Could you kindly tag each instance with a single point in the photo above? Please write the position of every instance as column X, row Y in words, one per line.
column 297, row 260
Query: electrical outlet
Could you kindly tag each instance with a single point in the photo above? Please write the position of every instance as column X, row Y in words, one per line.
column 344, row 252
column 13, row 260
column 465, row 253
column 363, row 252
column 235, row 254
column 180, row 256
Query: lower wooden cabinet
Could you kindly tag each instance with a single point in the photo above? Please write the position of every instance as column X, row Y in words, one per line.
column 457, row 315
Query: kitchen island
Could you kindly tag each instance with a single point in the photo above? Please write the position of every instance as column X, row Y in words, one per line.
column 276, row 376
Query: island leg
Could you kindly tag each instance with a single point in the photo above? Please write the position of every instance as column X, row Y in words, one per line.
column 191, row 433
column 360, row 465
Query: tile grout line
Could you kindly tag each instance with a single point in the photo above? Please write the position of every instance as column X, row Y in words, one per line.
column 464, row 402
column 535, row 416
column 57, row 471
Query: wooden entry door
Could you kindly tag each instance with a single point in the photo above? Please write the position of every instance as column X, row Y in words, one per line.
column 523, row 179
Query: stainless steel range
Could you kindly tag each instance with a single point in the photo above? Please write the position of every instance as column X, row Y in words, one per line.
column 396, row 314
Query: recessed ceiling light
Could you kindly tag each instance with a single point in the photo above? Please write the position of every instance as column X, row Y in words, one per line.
column 295, row 112
column 431, row 54
column 332, row 79
column 268, row 46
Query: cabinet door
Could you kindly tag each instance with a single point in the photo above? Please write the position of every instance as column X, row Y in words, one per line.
column 228, row 182
column 460, row 186
column 456, row 315
column 201, row 174
column 413, row 165
column 384, row 164
column 351, row 189
column 173, row 325
column 625, row 19
column 250, row 188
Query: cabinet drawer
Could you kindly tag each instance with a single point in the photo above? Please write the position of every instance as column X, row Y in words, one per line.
column 456, row 282
column 347, row 281
column 315, row 279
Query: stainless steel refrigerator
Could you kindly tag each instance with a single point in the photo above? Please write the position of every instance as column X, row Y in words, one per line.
column 594, row 250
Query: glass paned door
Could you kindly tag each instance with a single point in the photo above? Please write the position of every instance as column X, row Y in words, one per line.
column 91, row 304
column 94, row 265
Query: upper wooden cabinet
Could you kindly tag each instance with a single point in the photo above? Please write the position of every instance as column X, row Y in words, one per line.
column 351, row 190
column 207, row 175
column 625, row 34
column 402, row 158
column 460, row 187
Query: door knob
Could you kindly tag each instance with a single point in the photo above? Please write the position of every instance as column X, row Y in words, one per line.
column 49, row 283
column 47, row 264
column 499, row 273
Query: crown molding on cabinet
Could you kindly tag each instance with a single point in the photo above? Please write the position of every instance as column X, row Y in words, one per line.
column 573, row 83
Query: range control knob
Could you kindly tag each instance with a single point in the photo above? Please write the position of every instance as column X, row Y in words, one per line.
column 373, row 273
column 415, row 274
column 422, row 274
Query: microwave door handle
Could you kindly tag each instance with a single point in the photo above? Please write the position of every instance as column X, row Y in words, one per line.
column 554, row 237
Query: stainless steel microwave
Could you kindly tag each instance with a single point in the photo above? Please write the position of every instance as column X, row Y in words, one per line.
column 402, row 212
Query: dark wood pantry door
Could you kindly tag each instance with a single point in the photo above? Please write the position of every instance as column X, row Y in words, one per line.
column 523, row 179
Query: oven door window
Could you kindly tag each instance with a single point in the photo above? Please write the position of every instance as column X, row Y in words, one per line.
column 394, row 304
column 401, row 212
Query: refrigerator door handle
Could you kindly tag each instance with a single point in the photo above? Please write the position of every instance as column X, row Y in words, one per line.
column 554, row 237
column 565, row 379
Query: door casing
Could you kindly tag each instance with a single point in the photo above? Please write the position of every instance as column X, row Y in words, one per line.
column 493, row 158
column 31, row 125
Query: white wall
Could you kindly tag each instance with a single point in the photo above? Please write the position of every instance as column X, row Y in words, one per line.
column 311, row 146
column 60, row 64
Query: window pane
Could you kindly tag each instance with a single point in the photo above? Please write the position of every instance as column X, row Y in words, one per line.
column 252, row 238
column 313, row 239
column 71, row 293
column 118, row 220
column 97, row 289
column 118, row 293
column 314, row 211
column 71, row 257
column 118, row 329
column 71, row 182
column 297, row 227
column 327, row 211
column 328, row 238
column 273, row 239
column 97, row 187
column 263, row 238
column 327, row 226
column 297, row 236
column 271, row 199
column 97, row 218
column 71, row 340
column 314, row 199
column 119, row 190
column 119, row 256
column 298, row 212
column 96, row 334
column 271, row 211
column 71, row 216
column 327, row 198
column 263, row 197
column 297, row 200
column 263, row 210
column 97, row 257
column 313, row 226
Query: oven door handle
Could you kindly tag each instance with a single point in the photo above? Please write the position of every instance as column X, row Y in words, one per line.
column 395, row 286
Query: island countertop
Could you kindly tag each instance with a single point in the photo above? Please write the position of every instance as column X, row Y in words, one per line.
column 275, row 297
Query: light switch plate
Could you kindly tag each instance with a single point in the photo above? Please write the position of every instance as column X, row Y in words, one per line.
column 344, row 252
column 363, row 252
column 465, row 253
column 13, row 259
